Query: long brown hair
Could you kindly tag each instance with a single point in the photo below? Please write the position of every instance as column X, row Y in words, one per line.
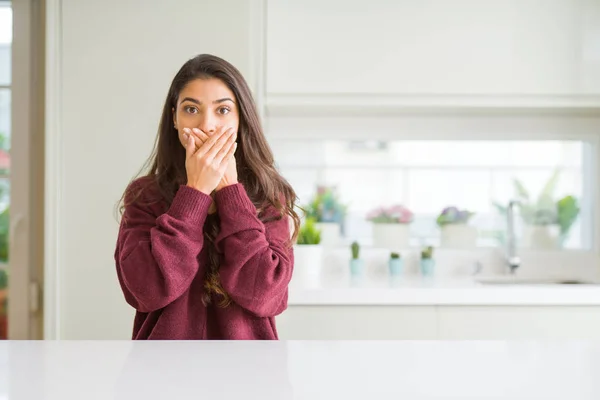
column 254, row 158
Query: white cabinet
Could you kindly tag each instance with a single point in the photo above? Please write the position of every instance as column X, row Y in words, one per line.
column 357, row 322
column 407, row 48
column 518, row 323
column 439, row 322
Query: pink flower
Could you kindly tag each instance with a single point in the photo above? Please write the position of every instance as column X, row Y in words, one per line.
column 395, row 214
column 375, row 213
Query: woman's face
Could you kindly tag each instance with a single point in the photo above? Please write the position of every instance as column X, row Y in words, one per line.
column 206, row 104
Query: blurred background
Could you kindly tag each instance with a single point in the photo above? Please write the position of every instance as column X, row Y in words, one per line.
column 406, row 127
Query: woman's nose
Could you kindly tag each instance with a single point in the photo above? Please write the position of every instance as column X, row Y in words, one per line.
column 208, row 124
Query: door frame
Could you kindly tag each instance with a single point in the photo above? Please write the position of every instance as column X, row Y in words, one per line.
column 25, row 311
column 53, row 200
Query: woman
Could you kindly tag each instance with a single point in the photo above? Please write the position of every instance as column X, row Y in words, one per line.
column 204, row 247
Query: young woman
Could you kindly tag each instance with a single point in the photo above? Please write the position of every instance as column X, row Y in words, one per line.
column 204, row 247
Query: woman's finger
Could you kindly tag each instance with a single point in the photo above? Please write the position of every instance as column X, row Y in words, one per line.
column 227, row 159
column 200, row 134
column 197, row 140
column 190, row 146
column 225, row 150
column 223, row 141
column 212, row 141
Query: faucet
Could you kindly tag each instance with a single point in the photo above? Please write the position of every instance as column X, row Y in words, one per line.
column 513, row 260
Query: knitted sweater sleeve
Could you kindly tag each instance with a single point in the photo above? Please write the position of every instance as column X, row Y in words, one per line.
column 256, row 259
column 156, row 254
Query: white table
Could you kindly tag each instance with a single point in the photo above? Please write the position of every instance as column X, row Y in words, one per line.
column 299, row 370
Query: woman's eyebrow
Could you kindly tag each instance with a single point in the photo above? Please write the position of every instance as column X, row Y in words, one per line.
column 224, row 99
column 192, row 100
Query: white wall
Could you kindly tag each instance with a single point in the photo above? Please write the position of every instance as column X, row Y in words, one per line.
column 118, row 59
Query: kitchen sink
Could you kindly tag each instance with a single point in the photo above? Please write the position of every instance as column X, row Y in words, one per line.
column 515, row 280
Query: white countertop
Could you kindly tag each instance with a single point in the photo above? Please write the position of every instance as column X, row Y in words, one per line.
column 342, row 290
column 53, row 370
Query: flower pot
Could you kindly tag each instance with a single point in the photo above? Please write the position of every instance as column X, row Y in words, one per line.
column 308, row 260
column 330, row 233
column 357, row 267
column 458, row 236
column 427, row 267
column 395, row 266
column 391, row 236
column 543, row 237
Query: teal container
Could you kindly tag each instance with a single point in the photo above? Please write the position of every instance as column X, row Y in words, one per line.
column 427, row 267
column 395, row 265
column 357, row 267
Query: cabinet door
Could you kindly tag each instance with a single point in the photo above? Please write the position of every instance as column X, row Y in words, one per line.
column 414, row 48
column 357, row 323
column 506, row 323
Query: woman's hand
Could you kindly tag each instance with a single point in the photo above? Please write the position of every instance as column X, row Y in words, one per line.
column 206, row 165
column 230, row 176
column 199, row 136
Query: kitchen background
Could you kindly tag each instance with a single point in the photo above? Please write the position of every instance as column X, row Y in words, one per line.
column 405, row 127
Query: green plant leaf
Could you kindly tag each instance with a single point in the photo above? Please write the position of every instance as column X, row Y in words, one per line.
column 427, row 252
column 355, row 249
column 309, row 233
column 325, row 206
column 520, row 190
column 568, row 211
column 4, row 228
column 550, row 186
column 3, row 279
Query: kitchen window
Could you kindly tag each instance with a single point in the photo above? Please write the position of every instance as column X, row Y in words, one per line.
column 551, row 176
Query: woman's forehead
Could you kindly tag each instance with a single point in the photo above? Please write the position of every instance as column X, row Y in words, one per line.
column 206, row 90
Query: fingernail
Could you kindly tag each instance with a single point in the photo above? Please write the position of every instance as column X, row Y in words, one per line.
column 196, row 130
column 187, row 130
column 185, row 135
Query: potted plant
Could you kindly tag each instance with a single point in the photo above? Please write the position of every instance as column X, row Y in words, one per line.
column 427, row 262
column 547, row 220
column 395, row 264
column 455, row 229
column 568, row 210
column 308, row 252
column 328, row 213
column 391, row 227
column 356, row 263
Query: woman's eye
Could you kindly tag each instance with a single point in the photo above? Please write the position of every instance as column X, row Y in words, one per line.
column 223, row 110
column 191, row 110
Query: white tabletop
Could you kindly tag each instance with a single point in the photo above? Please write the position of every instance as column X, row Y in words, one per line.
column 299, row 370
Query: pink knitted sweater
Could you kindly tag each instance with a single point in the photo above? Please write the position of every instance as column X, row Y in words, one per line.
column 161, row 263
